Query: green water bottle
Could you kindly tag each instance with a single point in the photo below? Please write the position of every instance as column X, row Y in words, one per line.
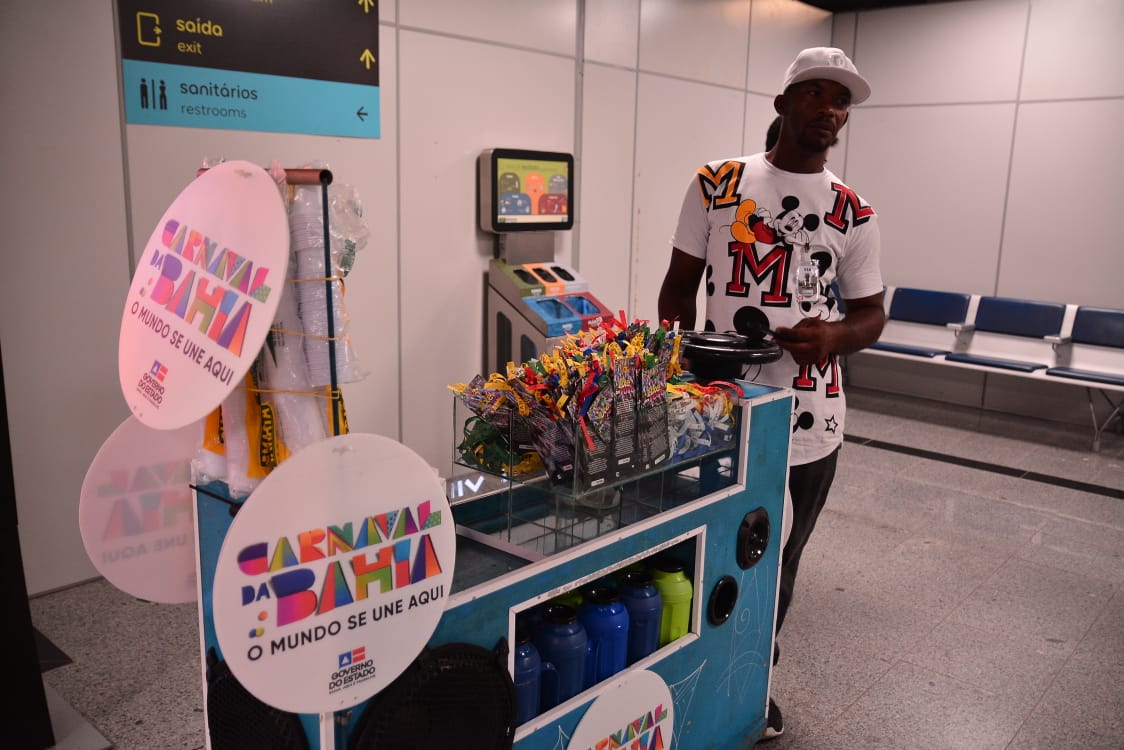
column 572, row 598
column 675, row 592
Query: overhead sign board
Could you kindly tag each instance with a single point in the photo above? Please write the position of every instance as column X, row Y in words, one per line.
column 264, row 65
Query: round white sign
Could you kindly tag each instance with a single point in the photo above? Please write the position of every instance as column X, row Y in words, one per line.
column 334, row 574
column 135, row 511
column 636, row 711
column 203, row 296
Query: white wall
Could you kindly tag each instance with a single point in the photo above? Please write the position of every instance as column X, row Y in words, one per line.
column 990, row 128
column 989, row 122
column 986, row 118
column 64, row 266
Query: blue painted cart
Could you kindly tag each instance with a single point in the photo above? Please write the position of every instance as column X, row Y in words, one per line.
column 529, row 543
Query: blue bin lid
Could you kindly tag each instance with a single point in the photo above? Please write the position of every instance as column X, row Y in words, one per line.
column 559, row 318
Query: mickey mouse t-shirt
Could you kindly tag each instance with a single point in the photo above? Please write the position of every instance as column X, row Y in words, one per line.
column 774, row 243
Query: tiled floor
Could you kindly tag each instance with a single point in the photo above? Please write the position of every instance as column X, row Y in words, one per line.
column 964, row 590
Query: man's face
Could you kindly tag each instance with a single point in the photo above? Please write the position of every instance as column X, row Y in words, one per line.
column 814, row 112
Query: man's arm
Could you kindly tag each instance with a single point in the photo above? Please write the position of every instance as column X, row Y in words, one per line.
column 679, row 289
column 812, row 339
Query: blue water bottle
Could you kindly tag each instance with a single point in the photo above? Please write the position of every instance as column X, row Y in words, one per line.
column 528, row 667
column 642, row 599
column 562, row 644
column 606, row 623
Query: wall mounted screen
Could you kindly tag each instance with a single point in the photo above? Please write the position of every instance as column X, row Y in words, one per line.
column 524, row 191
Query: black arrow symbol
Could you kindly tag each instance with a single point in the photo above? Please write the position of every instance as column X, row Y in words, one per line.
column 361, row 114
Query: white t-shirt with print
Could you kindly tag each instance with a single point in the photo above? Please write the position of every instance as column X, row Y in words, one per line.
column 756, row 226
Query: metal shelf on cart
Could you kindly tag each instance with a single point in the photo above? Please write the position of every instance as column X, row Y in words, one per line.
column 480, row 561
column 573, row 488
column 539, row 480
column 532, row 521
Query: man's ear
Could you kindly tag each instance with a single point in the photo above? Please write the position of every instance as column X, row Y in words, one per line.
column 778, row 104
column 846, row 116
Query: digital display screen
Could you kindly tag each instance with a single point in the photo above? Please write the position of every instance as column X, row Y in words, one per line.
column 532, row 192
column 525, row 190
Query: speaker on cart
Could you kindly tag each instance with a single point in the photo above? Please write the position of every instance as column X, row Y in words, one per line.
column 236, row 720
column 449, row 693
column 722, row 599
column 753, row 538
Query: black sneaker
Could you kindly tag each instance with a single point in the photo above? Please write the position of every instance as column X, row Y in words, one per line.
column 774, row 723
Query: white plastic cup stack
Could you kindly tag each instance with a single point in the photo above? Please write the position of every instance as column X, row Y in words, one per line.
column 301, row 412
column 306, row 233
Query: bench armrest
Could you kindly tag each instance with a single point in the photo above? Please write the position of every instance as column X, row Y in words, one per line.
column 960, row 328
column 1057, row 341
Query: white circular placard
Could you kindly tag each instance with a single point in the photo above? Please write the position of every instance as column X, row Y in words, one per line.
column 135, row 511
column 203, row 296
column 334, row 574
column 636, row 711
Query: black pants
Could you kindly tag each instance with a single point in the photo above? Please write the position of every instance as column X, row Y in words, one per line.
column 808, row 485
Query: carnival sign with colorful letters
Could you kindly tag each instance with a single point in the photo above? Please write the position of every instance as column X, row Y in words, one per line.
column 334, row 573
column 135, row 511
column 636, row 711
column 203, row 295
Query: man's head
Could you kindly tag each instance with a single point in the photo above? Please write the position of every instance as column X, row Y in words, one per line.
column 773, row 133
column 819, row 88
column 828, row 64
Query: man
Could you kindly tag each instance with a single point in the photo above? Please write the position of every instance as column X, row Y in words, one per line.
column 772, row 232
column 774, row 132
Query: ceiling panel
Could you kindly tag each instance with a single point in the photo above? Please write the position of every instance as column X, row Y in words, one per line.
column 844, row 6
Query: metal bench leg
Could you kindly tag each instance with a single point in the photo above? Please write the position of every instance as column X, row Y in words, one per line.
column 1098, row 429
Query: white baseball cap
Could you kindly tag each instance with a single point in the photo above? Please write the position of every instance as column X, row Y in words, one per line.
column 829, row 63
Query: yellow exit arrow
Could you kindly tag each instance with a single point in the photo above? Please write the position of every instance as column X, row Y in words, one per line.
column 367, row 5
column 367, row 58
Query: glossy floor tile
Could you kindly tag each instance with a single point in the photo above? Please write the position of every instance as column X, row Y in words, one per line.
column 964, row 589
